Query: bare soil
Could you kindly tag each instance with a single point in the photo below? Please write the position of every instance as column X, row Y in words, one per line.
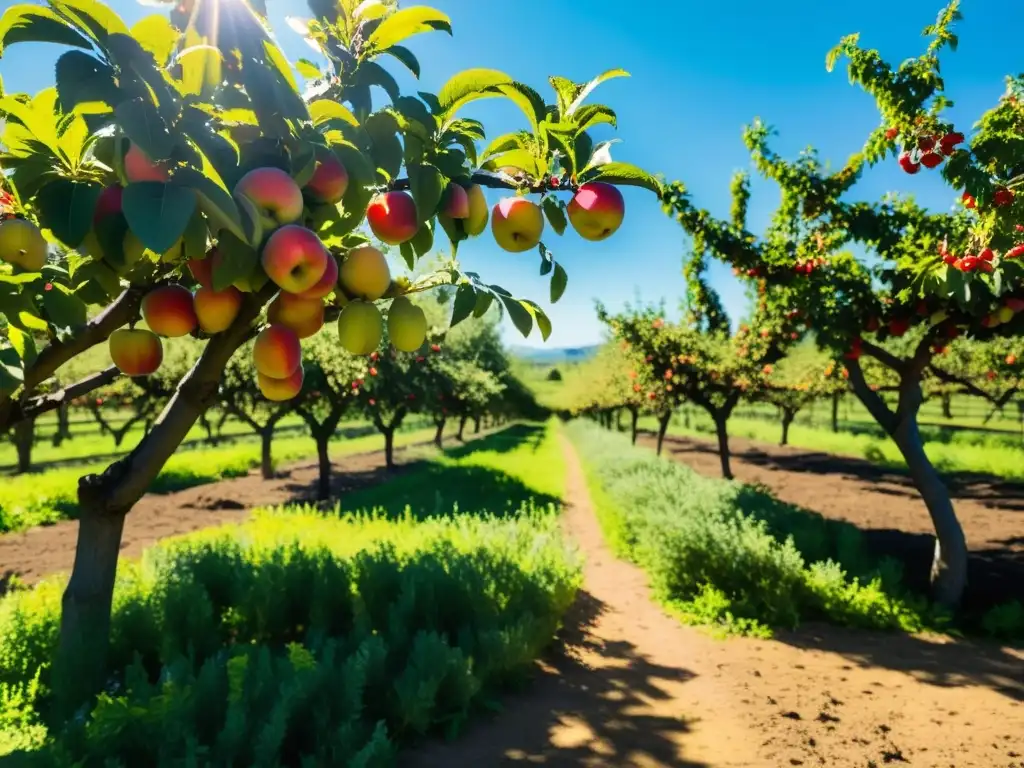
column 885, row 506
column 629, row 687
column 45, row 550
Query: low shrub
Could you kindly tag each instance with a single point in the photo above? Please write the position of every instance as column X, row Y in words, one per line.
column 733, row 556
column 297, row 639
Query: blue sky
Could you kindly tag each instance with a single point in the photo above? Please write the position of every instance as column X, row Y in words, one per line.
column 700, row 71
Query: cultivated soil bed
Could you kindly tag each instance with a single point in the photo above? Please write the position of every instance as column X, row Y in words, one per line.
column 885, row 506
column 44, row 550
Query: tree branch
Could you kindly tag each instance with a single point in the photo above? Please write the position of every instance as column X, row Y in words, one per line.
column 123, row 483
column 883, row 356
column 872, row 401
column 123, row 310
column 45, row 403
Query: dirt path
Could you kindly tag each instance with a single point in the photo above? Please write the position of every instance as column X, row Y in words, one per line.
column 884, row 505
column 44, row 550
column 629, row 687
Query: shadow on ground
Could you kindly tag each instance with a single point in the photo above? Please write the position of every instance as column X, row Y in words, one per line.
column 944, row 663
column 592, row 710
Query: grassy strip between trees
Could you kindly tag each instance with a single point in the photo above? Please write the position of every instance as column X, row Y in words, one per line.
column 951, row 451
column 304, row 638
column 48, row 497
column 734, row 557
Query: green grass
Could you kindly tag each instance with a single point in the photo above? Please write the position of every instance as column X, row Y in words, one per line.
column 47, row 497
column 997, row 454
column 302, row 637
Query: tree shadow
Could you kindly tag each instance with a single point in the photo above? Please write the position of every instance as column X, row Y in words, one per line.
column 593, row 708
column 935, row 661
column 506, row 440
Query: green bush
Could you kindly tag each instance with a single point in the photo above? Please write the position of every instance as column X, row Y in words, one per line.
column 301, row 637
column 295, row 637
column 733, row 556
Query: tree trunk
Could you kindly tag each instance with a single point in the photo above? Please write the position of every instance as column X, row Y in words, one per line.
column 266, row 457
column 63, row 426
column 439, row 434
column 389, row 448
column 24, row 436
column 462, row 428
column 618, row 420
column 788, row 415
column 686, row 417
column 663, row 421
column 949, row 562
column 476, row 425
column 86, row 605
column 323, row 487
column 836, row 397
column 721, row 430
column 634, row 414
column 947, row 405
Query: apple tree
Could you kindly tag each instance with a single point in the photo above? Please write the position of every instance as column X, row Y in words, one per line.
column 950, row 274
column 988, row 370
column 186, row 144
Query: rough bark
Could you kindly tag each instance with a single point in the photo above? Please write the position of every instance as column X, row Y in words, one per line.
column 24, row 437
column 105, row 499
column 634, row 418
column 663, row 421
column 949, row 562
column 788, row 414
column 462, row 428
column 266, row 453
column 63, row 426
column 722, row 432
column 323, row 486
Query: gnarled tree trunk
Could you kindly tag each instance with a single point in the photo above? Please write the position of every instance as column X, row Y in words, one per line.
column 24, row 437
column 663, row 421
column 788, row 414
column 722, row 432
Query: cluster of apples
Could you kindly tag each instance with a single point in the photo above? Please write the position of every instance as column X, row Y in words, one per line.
column 296, row 261
column 596, row 212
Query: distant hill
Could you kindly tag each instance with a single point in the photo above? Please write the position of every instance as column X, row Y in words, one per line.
column 555, row 355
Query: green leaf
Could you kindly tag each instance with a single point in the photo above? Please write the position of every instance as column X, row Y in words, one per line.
column 464, row 304
column 42, row 125
column 372, row 73
column 522, row 159
column 158, row 213
column 144, row 127
column 82, row 79
column 280, row 64
column 408, row 254
column 559, row 281
column 543, row 321
column 22, row 313
column 215, row 201
column 308, row 69
column 325, row 111
column 407, row 57
column 589, row 115
column 361, row 177
column 423, row 240
column 427, row 186
column 23, row 344
column 467, row 86
column 237, row 261
column 527, row 99
column 63, row 308
column 520, row 315
column 483, row 303
column 67, row 208
column 386, row 149
column 505, row 143
column 547, row 259
column 405, row 23
column 195, row 237
column 100, row 275
column 98, row 19
column 36, row 24
column 157, row 35
column 200, row 68
column 589, row 88
column 555, row 211
column 624, row 174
